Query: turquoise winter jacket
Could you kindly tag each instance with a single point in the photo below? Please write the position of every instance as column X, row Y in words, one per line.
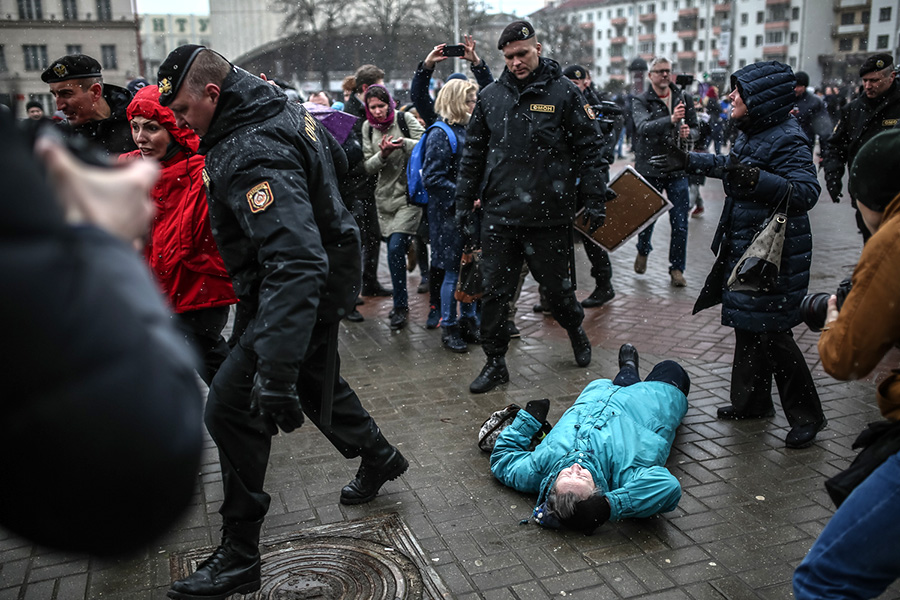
column 622, row 435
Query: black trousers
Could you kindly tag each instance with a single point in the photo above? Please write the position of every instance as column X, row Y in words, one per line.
column 549, row 254
column 760, row 356
column 363, row 210
column 667, row 371
column 244, row 445
column 601, row 267
column 203, row 331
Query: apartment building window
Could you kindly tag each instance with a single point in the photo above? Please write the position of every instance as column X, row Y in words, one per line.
column 795, row 13
column 882, row 42
column 743, row 41
column 104, row 10
column 620, row 12
column 794, row 37
column 863, row 43
column 866, row 15
column 35, row 57
column 30, row 9
column 760, row 17
column 774, row 37
column 884, row 14
column 700, row 45
column 700, row 65
column 70, row 10
column 4, row 69
column 744, row 18
column 664, row 6
column 108, row 57
column 645, row 48
column 599, row 34
column 630, row 31
column 599, row 52
column 759, row 41
column 159, row 25
column 73, row 49
column 589, row 17
column 742, row 63
column 848, row 18
column 792, row 61
column 662, row 27
column 845, row 44
column 712, row 44
column 702, row 23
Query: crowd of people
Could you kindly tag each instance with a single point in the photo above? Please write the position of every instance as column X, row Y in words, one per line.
column 260, row 206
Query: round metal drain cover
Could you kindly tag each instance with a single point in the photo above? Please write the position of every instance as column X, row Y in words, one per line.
column 334, row 568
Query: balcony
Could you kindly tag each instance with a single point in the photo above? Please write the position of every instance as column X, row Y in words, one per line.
column 722, row 8
column 587, row 25
column 839, row 4
column 647, row 57
column 616, row 60
column 618, row 77
column 777, row 25
column 617, row 40
column 619, row 21
column 647, row 37
column 687, row 55
column 717, row 30
column 688, row 12
column 855, row 29
column 775, row 50
column 777, row 2
column 647, row 18
column 687, row 34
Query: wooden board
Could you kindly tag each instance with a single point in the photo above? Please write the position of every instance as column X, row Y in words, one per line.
column 637, row 206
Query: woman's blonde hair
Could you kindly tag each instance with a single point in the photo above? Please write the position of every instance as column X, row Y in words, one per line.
column 451, row 101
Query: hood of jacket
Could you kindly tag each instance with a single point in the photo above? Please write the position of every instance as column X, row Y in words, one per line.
column 244, row 100
column 117, row 98
column 146, row 104
column 767, row 88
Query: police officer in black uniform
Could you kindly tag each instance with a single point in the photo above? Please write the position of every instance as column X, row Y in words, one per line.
column 292, row 249
column 876, row 110
column 530, row 137
column 94, row 110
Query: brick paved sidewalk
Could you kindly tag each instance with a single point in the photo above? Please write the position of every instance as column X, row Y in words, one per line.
column 750, row 508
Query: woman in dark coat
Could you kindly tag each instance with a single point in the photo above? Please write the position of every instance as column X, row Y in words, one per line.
column 770, row 161
column 454, row 104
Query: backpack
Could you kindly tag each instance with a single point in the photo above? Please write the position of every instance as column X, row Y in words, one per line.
column 415, row 183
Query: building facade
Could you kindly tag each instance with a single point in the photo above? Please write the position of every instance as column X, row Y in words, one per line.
column 160, row 34
column 35, row 32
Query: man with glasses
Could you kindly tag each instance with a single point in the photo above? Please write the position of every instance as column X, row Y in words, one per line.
column 664, row 117
column 877, row 109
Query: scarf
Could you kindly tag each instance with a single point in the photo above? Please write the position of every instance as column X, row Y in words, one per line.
column 381, row 126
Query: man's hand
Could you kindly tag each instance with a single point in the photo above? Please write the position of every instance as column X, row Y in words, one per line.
column 834, row 187
column 277, row 403
column 434, row 57
column 831, row 313
column 466, row 224
column 594, row 214
column 469, row 43
column 684, row 132
column 743, row 178
column 678, row 113
column 675, row 159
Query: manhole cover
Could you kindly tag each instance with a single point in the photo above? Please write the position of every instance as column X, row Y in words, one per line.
column 370, row 559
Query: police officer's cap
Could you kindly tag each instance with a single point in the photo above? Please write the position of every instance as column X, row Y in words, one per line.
column 876, row 62
column 514, row 32
column 174, row 68
column 575, row 72
column 71, row 66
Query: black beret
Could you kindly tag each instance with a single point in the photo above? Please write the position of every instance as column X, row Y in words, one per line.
column 173, row 69
column 589, row 514
column 514, row 32
column 873, row 176
column 802, row 78
column 876, row 62
column 575, row 72
column 71, row 66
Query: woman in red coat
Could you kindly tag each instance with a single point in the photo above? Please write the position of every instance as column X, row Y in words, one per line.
column 181, row 250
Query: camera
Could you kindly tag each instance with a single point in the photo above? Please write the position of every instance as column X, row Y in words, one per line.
column 458, row 50
column 814, row 307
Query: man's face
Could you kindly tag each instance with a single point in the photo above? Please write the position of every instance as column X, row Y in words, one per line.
column 799, row 89
column 660, row 75
column 577, row 480
column 76, row 103
column 319, row 98
column 877, row 83
column 35, row 113
column 581, row 83
column 522, row 57
column 196, row 111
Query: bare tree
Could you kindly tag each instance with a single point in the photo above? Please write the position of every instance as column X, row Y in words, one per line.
column 391, row 19
column 564, row 41
column 471, row 16
column 322, row 21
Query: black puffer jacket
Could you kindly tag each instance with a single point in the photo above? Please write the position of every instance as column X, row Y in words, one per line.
column 113, row 134
column 654, row 130
column 772, row 140
column 290, row 245
column 526, row 149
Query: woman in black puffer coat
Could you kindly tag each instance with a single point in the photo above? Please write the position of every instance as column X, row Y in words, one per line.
column 770, row 161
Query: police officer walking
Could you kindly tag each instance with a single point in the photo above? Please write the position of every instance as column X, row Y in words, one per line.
column 530, row 138
column 876, row 110
column 292, row 249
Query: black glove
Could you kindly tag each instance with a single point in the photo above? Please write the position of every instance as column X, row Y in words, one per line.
column 467, row 223
column 834, row 187
column 277, row 403
column 675, row 159
column 539, row 409
column 594, row 214
column 742, row 178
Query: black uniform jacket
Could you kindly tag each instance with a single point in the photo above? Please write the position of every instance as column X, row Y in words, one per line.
column 860, row 121
column 113, row 134
column 527, row 148
column 654, row 130
column 290, row 245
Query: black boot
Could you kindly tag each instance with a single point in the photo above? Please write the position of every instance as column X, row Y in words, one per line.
column 379, row 465
column 628, row 355
column 600, row 296
column 581, row 346
column 451, row 339
column 493, row 374
column 468, row 329
column 234, row 568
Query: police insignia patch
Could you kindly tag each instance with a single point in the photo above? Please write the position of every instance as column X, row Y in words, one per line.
column 589, row 111
column 879, row 64
column 165, row 85
column 60, row 70
column 260, row 197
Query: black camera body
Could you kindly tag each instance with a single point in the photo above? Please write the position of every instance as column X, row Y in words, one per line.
column 814, row 307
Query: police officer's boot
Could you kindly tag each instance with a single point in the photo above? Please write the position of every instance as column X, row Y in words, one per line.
column 581, row 346
column 468, row 330
column 380, row 463
column 234, row 568
column 493, row 374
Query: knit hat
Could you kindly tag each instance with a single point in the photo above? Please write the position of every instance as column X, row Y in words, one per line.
column 514, row 32
column 802, row 78
column 146, row 104
column 589, row 515
column 873, row 181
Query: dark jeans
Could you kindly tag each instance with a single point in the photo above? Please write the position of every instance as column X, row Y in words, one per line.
column 667, row 371
column 242, row 441
column 398, row 244
column 202, row 330
column 549, row 254
column 678, row 193
column 760, row 356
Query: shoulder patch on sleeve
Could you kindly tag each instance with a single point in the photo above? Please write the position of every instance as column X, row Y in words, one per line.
column 589, row 111
column 260, row 197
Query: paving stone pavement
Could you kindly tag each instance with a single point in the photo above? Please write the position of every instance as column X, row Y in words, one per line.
column 750, row 508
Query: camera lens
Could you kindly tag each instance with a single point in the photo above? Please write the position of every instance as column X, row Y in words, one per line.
column 813, row 310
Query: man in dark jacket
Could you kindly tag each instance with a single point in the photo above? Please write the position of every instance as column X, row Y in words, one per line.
column 94, row 110
column 811, row 113
column 664, row 117
column 530, row 139
column 292, row 249
column 876, row 110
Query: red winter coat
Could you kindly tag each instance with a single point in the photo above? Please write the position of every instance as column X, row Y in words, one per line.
column 181, row 252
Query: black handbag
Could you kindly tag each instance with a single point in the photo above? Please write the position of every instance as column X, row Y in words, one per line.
column 757, row 269
column 469, row 286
